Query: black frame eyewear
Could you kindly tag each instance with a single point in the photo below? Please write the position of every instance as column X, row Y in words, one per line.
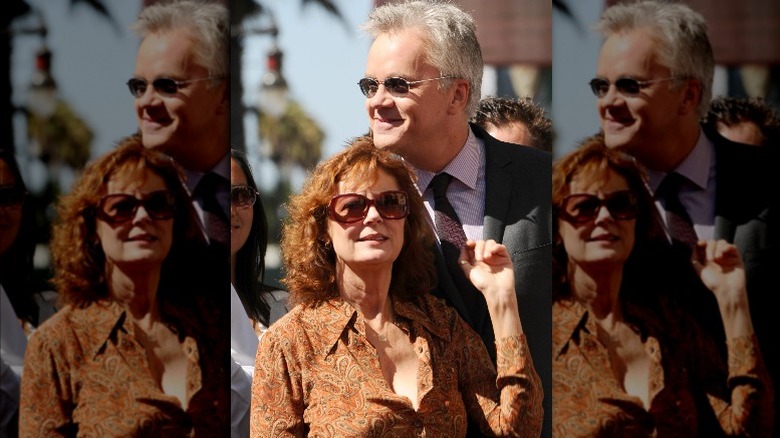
column 584, row 207
column 347, row 208
column 164, row 86
column 121, row 207
column 626, row 86
column 11, row 196
column 394, row 85
column 243, row 196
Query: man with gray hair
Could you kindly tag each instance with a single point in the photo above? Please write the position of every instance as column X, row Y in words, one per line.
column 422, row 84
column 182, row 100
column 654, row 83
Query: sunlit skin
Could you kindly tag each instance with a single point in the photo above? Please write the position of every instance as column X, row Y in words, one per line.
column 742, row 132
column 240, row 218
column 10, row 216
column 514, row 132
column 192, row 125
column 373, row 243
column 659, row 125
column 141, row 243
column 426, row 115
column 605, row 242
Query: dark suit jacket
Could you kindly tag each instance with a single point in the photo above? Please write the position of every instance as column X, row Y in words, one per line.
column 747, row 213
column 518, row 214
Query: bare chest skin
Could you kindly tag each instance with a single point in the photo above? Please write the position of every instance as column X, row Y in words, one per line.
column 166, row 359
column 629, row 360
column 398, row 361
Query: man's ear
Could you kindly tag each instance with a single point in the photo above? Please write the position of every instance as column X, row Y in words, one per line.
column 460, row 97
column 692, row 97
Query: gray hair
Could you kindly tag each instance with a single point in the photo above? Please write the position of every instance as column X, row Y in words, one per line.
column 449, row 38
column 680, row 34
column 207, row 22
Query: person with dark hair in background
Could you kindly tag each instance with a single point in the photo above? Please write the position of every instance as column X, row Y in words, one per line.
column 254, row 305
column 653, row 85
column 136, row 350
column 515, row 120
column 744, row 120
column 422, row 83
column 18, row 308
column 628, row 360
column 367, row 350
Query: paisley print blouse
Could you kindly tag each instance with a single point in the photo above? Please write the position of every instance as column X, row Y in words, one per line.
column 692, row 393
column 317, row 375
column 85, row 374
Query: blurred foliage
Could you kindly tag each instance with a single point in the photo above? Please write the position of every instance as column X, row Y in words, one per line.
column 63, row 137
column 294, row 138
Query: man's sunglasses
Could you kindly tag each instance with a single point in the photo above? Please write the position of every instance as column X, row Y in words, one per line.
column 242, row 196
column 352, row 207
column 11, row 196
column 164, row 86
column 626, row 86
column 582, row 207
column 122, row 207
column 396, row 86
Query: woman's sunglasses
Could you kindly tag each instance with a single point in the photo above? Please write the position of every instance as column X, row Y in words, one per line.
column 164, row 86
column 242, row 196
column 626, row 86
column 11, row 196
column 396, row 86
column 352, row 207
column 121, row 207
column 579, row 208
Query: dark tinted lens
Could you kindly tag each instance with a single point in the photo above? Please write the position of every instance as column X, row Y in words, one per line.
column 118, row 208
column 622, row 205
column 397, row 85
column 159, row 205
column 348, row 208
column 581, row 208
column 599, row 86
column 11, row 196
column 165, row 86
column 392, row 205
column 242, row 196
column 628, row 85
column 368, row 86
column 137, row 87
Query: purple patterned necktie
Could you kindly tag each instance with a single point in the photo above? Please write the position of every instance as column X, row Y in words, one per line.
column 448, row 226
column 678, row 221
column 214, row 218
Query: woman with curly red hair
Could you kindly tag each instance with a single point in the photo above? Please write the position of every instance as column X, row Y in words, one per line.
column 131, row 353
column 368, row 351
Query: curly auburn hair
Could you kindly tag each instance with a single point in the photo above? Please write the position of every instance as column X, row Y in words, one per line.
column 79, row 261
column 309, row 258
column 591, row 162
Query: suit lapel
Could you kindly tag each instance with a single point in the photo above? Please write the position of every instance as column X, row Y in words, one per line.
column 499, row 183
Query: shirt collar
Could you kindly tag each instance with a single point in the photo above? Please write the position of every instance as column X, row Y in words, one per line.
column 695, row 167
column 341, row 318
column 464, row 167
column 100, row 321
column 569, row 320
column 222, row 169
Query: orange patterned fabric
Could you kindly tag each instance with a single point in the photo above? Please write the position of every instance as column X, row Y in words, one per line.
column 316, row 374
column 691, row 392
column 86, row 375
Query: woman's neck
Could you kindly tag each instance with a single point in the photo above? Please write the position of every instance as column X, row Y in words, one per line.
column 136, row 289
column 233, row 269
column 368, row 292
column 597, row 289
